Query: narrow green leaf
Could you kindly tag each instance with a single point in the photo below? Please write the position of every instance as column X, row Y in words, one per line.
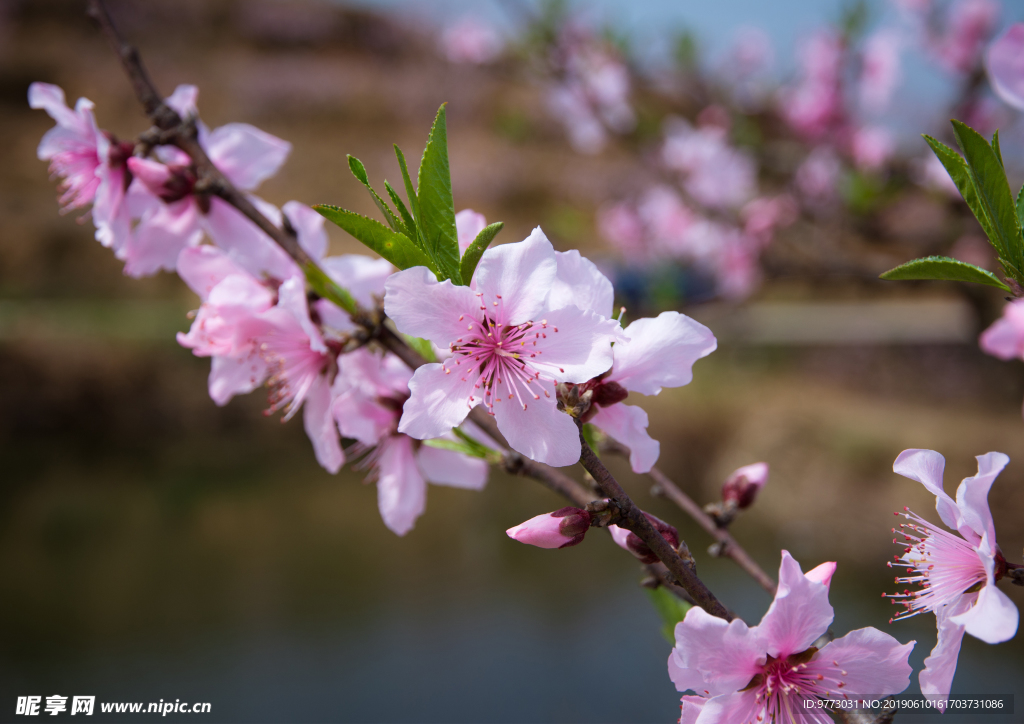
column 414, row 203
column 671, row 608
column 393, row 246
column 1020, row 206
column 422, row 346
column 483, row 451
column 942, row 268
column 328, row 288
column 359, row 171
column 993, row 192
column 995, row 147
column 410, row 223
column 437, row 210
column 476, row 249
column 956, row 167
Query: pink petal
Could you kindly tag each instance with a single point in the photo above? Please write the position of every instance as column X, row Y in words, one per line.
column 690, row 708
column 740, row 706
column 575, row 346
column 160, row 237
column 1005, row 338
column 522, row 273
column 362, row 276
column 937, row 676
column 545, row 531
column 184, row 100
column 110, row 209
column 873, row 664
column 468, row 224
column 620, row 536
column 727, row 653
column 320, row 427
column 799, row 614
column 51, row 99
column 401, row 490
column 1005, row 63
column 309, row 225
column 437, row 403
column 151, row 174
column 628, row 425
column 972, row 495
column 926, row 467
column 245, row 154
column 230, row 376
column 447, row 467
column 660, row 352
column 581, row 283
column 993, row 618
column 540, row 432
column 241, row 295
column 246, row 243
column 822, row 573
column 423, row 307
column 204, row 267
column 291, row 297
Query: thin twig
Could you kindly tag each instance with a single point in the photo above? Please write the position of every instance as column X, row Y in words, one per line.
column 633, row 519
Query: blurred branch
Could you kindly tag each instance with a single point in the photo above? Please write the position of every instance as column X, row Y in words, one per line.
column 726, row 545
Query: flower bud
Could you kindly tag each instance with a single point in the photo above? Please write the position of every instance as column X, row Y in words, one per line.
column 822, row 573
column 743, row 485
column 635, row 545
column 563, row 528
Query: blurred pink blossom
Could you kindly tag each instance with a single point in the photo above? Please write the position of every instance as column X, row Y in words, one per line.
column 763, row 215
column 817, row 177
column 880, row 70
column 471, row 41
column 1004, row 61
column 621, row 226
column 715, row 174
column 1005, row 337
column 468, row 224
column 968, row 26
column 871, row 147
column 814, row 106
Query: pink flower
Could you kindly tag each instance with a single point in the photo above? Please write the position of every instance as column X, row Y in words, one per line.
column 1005, row 338
column 764, row 674
column 653, row 354
column 468, row 224
column 763, row 215
column 957, row 573
column 620, row 225
column 716, row 175
column 173, row 217
column 667, row 219
column 1004, row 61
column 562, row 529
column 569, row 104
column 880, row 70
column 368, row 396
column 631, row 542
column 815, row 105
column 744, row 484
column 90, row 162
column 471, row 41
column 818, row 176
column 509, row 347
column 871, row 147
column 968, row 27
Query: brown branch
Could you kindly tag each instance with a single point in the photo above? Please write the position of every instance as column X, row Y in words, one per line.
column 726, row 543
column 633, row 519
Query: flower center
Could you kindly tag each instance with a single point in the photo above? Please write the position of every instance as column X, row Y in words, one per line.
column 784, row 684
column 943, row 564
column 500, row 356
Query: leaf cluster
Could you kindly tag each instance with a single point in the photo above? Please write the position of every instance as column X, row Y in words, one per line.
column 422, row 232
column 981, row 179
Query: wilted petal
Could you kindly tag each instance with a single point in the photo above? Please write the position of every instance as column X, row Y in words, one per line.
column 873, row 664
column 660, row 352
column 423, row 307
column 521, row 273
column 926, row 467
column 320, row 427
column 628, row 425
column 401, row 490
column 448, row 467
column 245, row 154
column 581, row 283
column 799, row 614
column 438, row 402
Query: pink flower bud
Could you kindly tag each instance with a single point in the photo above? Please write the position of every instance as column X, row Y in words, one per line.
column 822, row 573
column 743, row 485
column 561, row 529
column 635, row 545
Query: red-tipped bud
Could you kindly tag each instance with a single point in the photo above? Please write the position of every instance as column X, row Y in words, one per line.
column 635, row 545
column 743, row 485
column 561, row 529
column 822, row 573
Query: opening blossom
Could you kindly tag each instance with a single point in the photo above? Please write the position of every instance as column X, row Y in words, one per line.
column 369, row 393
column 764, row 674
column 957, row 572
column 563, row 528
column 511, row 341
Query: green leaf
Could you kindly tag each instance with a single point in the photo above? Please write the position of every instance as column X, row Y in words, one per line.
column 995, row 147
column 942, row 268
column 593, row 435
column 994, row 194
column 359, row 171
column 422, row 346
column 475, row 250
column 410, row 193
column 1020, row 206
column 956, row 167
column 393, row 246
column 671, row 608
column 410, row 223
column 437, row 210
column 328, row 288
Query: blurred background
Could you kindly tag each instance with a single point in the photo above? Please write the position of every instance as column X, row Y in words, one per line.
column 755, row 165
